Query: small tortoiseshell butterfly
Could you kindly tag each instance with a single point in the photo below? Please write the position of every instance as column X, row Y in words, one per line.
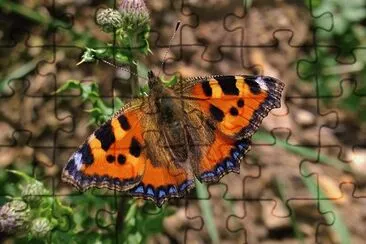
column 156, row 145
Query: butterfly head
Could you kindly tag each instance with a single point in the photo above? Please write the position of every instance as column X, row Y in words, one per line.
column 154, row 83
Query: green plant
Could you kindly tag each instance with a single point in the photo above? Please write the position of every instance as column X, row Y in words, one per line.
column 129, row 27
column 337, row 59
column 35, row 213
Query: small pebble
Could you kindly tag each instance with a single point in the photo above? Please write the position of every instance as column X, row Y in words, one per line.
column 304, row 118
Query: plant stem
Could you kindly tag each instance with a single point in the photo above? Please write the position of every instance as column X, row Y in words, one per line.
column 120, row 215
column 134, row 80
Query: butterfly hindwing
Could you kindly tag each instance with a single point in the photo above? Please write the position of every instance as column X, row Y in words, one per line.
column 222, row 157
column 162, row 182
column 111, row 157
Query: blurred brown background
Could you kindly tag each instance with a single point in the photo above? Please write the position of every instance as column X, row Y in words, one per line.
column 303, row 181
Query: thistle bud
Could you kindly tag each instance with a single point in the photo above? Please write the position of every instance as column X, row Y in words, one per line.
column 33, row 192
column 136, row 6
column 14, row 216
column 134, row 14
column 109, row 19
column 135, row 25
column 40, row 227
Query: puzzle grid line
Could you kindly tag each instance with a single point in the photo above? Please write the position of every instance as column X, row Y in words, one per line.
column 67, row 122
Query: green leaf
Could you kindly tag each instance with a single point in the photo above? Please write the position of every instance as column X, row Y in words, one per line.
column 69, row 85
column 19, row 72
column 354, row 14
column 339, row 227
column 134, row 238
column 340, row 24
column 22, row 175
column 117, row 104
column 153, row 223
column 207, row 212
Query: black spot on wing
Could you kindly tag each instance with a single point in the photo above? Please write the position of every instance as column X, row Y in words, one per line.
column 123, row 121
column 207, row 90
column 105, row 135
column 87, row 156
column 240, row 103
column 253, row 85
column 111, row 158
column 228, row 85
column 217, row 113
column 121, row 159
column 135, row 147
column 234, row 111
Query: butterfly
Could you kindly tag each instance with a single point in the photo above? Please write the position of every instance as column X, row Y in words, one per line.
column 156, row 145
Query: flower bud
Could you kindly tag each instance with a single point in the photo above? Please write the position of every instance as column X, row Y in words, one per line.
column 137, row 6
column 14, row 216
column 135, row 28
column 109, row 19
column 40, row 227
column 134, row 14
column 33, row 192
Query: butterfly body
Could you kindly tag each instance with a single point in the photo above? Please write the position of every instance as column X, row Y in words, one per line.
column 157, row 145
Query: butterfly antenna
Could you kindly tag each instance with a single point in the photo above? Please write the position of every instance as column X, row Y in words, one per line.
column 122, row 68
column 170, row 43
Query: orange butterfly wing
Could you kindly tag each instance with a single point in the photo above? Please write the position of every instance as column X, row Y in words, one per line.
column 111, row 157
column 236, row 106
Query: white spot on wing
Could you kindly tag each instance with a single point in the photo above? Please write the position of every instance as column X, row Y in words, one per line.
column 261, row 83
column 77, row 160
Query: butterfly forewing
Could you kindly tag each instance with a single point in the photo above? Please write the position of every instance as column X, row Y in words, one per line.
column 237, row 104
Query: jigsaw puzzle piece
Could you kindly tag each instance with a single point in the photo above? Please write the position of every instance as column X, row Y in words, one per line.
column 270, row 54
column 196, row 37
column 207, row 217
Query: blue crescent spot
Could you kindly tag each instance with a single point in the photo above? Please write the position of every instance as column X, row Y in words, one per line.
column 150, row 191
column 183, row 186
column 172, row 190
column 220, row 169
column 139, row 189
column 229, row 164
column 241, row 147
column 162, row 193
column 208, row 174
column 236, row 155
